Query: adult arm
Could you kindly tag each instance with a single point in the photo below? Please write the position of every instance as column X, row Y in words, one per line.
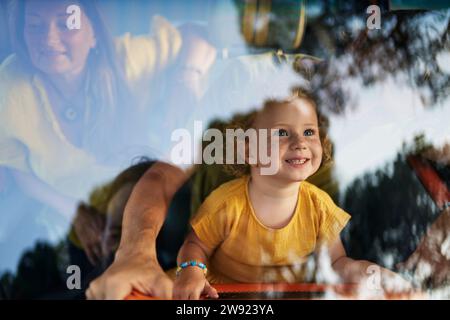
column 135, row 266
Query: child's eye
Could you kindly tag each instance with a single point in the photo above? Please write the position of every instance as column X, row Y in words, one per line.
column 308, row 132
column 281, row 133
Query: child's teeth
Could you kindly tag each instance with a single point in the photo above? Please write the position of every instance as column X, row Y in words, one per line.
column 297, row 161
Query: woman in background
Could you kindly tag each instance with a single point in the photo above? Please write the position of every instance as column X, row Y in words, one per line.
column 70, row 104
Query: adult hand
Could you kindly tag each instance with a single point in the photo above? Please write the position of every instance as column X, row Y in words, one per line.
column 135, row 266
column 128, row 273
column 89, row 225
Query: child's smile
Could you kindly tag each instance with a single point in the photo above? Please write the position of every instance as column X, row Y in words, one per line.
column 297, row 162
column 301, row 165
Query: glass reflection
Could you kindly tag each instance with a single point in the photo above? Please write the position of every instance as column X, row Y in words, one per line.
column 77, row 107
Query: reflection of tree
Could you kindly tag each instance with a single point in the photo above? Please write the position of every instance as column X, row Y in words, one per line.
column 390, row 212
column 408, row 43
column 37, row 275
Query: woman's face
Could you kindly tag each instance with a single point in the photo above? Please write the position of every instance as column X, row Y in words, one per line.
column 54, row 48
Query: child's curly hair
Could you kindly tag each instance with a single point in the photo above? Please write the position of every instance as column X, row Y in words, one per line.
column 246, row 121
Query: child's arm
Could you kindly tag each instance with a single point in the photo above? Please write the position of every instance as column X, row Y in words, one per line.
column 357, row 271
column 191, row 282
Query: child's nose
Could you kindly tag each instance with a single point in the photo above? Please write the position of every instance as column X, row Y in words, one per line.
column 298, row 142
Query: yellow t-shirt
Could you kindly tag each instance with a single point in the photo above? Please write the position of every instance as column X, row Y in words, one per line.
column 248, row 251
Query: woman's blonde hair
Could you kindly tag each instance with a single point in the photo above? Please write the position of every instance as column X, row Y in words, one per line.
column 247, row 121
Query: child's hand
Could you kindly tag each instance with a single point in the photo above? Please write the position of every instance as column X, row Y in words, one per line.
column 393, row 282
column 380, row 280
column 191, row 283
column 380, row 283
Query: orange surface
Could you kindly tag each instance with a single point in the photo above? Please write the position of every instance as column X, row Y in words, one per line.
column 241, row 291
column 430, row 179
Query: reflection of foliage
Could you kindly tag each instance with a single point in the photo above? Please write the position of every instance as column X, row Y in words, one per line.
column 407, row 46
column 390, row 212
column 408, row 43
column 37, row 274
column 6, row 284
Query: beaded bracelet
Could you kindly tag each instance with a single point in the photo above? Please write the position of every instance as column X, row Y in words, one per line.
column 193, row 263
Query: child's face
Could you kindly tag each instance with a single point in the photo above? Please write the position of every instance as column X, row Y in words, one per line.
column 300, row 149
